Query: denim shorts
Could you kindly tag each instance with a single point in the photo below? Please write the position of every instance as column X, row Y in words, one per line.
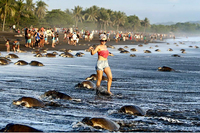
column 102, row 64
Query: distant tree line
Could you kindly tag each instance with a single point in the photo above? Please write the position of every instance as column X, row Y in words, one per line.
column 25, row 13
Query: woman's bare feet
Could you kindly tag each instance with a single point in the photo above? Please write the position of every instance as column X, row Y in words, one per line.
column 110, row 93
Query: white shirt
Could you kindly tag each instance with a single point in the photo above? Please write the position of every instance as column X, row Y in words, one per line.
column 74, row 37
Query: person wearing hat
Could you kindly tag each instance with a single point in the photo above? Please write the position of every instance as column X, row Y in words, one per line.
column 102, row 62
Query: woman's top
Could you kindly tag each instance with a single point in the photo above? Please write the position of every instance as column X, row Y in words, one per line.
column 29, row 36
column 7, row 44
column 103, row 53
column 41, row 36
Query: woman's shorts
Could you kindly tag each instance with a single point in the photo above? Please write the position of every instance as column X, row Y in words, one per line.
column 102, row 64
column 53, row 40
column 29, row 40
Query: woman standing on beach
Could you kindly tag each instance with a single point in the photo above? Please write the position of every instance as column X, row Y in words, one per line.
column 37, row 39
column 8, row 46
column 41, row 38
column 102, row 63
column 32, row 38
column 53, row 39
column 29, row 39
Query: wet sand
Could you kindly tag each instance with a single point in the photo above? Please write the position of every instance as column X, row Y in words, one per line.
column 82, row 45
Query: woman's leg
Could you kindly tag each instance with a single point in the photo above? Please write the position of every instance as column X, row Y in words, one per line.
column 108, row 72
column 8, row 49
column 53, row 43
column 99, row 77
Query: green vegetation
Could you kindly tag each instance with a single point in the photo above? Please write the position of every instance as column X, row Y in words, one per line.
column 25, row 13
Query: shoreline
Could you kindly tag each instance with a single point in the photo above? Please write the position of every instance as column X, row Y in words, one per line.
column 82, row 45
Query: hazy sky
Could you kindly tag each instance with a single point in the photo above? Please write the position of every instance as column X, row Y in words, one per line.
column 155, row 10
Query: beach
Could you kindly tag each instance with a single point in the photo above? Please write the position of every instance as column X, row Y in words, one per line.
column 170, row 100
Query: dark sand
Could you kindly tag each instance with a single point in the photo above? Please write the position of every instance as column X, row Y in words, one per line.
column 82, row 45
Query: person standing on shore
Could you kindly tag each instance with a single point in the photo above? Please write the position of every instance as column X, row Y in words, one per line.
column 102, row 62
column 65, row 36
column 41, row 38
column 8, row 46
column 78, row 36
column 53, row 39
column 70, row 40
column 74, row 37
column 37, row 39
column 145, row 41
column 108, row 36
column 117, row 37
column 57, row 38
column 29, row 39
column 45, row 37
column 26, row 37
column 32, row 38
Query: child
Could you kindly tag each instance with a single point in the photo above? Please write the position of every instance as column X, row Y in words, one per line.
column 16, row 43
column 8, row 46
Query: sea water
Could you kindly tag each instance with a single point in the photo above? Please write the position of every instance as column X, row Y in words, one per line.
column 170, row 99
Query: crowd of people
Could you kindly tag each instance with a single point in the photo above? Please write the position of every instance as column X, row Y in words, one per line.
column 39, row 37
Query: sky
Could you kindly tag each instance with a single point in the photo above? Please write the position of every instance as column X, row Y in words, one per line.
column 157, row 11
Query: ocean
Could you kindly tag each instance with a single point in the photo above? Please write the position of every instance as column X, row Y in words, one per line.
column 171, row 100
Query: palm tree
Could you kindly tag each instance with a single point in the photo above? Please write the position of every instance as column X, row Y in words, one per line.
column 41, row 9
column 77, row 14
column 67, row 11
column 145, row 23
column 104, row 17
column 111, row 13
column 21, row 12
column 30, row 6
column 6, row 8
column 134, row 21
column 92, row 13
column 119, row 18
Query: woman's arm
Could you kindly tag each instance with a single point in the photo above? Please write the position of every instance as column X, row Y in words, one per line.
column 94, row 51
